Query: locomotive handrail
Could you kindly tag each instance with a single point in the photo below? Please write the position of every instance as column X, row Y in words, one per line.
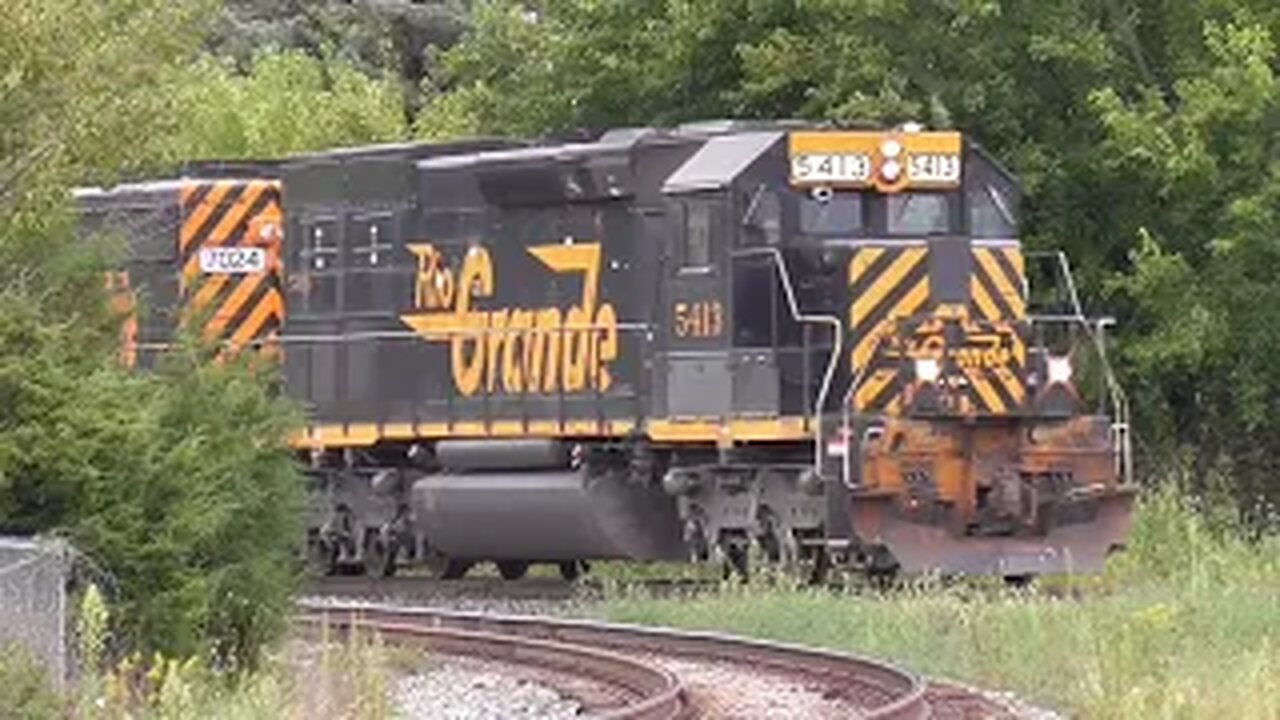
column 1064, row 266
column 1094, row 329
column 837, row 349
column 846, row 403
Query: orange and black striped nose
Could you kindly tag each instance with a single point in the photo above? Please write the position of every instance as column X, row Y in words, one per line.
column 229, row 247
column 895, row 288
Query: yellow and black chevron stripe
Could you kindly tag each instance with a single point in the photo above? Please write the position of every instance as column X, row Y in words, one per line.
column 887, row 283
column 890, row 283
column 997, row 294
column 235, row 309
column 996, row 284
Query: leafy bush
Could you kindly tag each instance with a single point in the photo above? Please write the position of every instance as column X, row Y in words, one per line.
column 179, row 483
column 25, row 690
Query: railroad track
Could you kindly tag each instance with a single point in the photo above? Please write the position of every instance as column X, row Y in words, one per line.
column 635, row 672
column 551, row 590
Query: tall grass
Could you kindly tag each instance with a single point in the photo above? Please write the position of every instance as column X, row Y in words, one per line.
column 1185, row 624
column 345, row 678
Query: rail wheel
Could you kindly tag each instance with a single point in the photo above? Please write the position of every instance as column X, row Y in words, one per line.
column 380, row 556
column 571, row 570
column 455, row 569
column 736, row 561
column 819, row 566
column 445, row 567
column 322, row 557
column 512, row 569
column 1019, row 582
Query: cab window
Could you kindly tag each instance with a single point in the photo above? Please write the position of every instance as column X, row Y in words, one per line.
column 836, row 214
column 763, row 221
column 918, row 213
column 699, row 233
column 989, row 214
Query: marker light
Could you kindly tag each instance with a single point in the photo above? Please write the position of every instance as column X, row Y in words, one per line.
column 890, row 170
column 928, row 369
column 1059, row 369
column 891, row 149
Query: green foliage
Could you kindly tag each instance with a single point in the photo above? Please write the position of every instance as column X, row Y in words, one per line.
column 77, row 84
column 324, row 679
column 285, row 103
column 388, row 36
column 25, row 690
column 178, row 483
column 92, row 629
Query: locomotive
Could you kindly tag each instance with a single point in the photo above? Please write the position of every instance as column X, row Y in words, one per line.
column 654, row 343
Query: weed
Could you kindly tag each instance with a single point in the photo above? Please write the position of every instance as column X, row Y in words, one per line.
column 1186, row 624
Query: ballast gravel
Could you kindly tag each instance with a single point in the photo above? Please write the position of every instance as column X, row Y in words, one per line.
column 462, row 689
column 728, row 690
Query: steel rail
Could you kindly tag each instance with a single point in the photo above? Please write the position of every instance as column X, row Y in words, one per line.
column 883, row 691
column 639, row 691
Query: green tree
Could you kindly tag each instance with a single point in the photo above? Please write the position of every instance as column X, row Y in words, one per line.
column 286, row 102
column 1203, row 352
column 178, row 483
column 380, row 38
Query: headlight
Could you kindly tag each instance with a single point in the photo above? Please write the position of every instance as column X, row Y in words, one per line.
column 1059, row 370
column 890, row 170
column 928, row 369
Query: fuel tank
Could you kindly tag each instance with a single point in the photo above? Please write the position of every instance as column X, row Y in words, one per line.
column 544, row 514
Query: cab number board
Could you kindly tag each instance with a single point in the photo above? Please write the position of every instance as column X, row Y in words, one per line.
column 934, row 168
column 233, row 261
column 831, row 168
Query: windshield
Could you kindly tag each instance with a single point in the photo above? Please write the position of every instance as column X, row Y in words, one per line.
column 918, row 214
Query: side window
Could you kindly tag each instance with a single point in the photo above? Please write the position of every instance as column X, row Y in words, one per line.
column 990, row 215
column 318, row 265
column 763, row 218
column 320, row 249
column 372, row 240
column 918, row 213
column 837, row 214
column 699, row 232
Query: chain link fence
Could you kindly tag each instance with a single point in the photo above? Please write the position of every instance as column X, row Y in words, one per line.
column 34, row 578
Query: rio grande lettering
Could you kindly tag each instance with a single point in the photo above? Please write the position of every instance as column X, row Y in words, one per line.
column 516, row 350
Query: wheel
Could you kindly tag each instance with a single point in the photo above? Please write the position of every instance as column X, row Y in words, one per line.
column 512, row 569
column 455, row 569
column 322, row 557
column 380, row 557
column 881, row 567
column 735, row 561
column 570, row 570
column 1018, row 582
column 821, row 566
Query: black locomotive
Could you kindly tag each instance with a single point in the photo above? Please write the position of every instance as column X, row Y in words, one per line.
column 658, row 343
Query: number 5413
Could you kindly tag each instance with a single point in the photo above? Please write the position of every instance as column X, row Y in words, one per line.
column 700, row 319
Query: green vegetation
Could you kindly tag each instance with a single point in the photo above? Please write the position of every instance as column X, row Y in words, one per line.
column 25, row 691
column 176, row 484
column 1186, row 624
column 332, row 677
column 287, row 102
